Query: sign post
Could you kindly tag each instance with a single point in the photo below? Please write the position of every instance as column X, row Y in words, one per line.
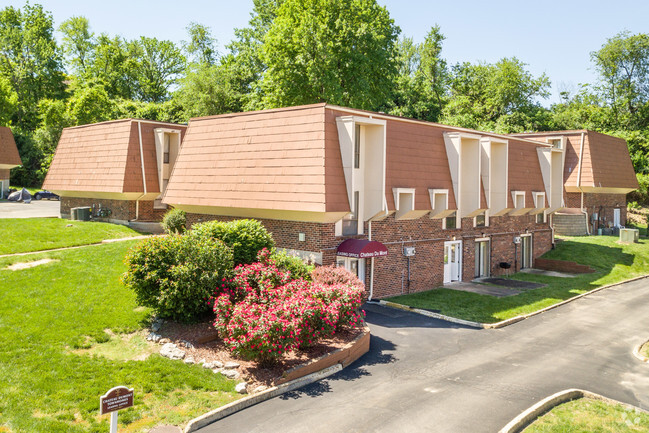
column 115, row 399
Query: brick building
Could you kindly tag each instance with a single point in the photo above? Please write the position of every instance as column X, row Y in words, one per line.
column 408, row 205
column 119, row 168
column 9, row 158
column 598, row 174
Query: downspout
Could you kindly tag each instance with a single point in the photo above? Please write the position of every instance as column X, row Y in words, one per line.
column 137, row 200
column 581, row 159
column 369, row 238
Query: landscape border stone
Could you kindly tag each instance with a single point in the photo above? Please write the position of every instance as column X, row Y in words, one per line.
column 298, row 377
column 637, row 354
column 527, row 417
column 506, row 322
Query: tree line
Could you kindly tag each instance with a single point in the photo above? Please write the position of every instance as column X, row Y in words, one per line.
column 343, row 52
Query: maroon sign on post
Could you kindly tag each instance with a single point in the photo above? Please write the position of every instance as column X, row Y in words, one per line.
column 117, row 398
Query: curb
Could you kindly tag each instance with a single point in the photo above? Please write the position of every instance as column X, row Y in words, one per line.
column 636, row 352
column 341, row 357
column 246, row 402
column 530, row 415
column 506, row 322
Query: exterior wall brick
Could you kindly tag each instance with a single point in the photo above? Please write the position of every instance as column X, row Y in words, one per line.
column 602, row 204
column 148, row 213
column 123, row 210
column 425, row 234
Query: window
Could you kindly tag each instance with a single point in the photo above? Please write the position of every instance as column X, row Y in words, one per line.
column 350, row 221
column 556, row 143
column 539, row 199
column 481, row 220
column 482, row 258
column 353, row 265
column 519, row 200
column 357, row 146
column 450, row 222
column 166, row 149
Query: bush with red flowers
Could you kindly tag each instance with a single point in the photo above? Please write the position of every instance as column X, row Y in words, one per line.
column 261, row 313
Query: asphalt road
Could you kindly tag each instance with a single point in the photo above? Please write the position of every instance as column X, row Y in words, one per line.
column 35, row 209
column 425, row 375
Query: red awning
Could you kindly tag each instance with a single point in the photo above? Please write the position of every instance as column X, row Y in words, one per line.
column 361, row 249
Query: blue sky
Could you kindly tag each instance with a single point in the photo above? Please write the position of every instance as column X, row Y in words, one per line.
column 552, row 37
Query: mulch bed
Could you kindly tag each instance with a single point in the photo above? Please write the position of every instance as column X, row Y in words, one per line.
column 208, row 347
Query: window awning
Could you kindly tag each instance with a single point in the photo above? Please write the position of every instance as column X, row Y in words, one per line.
column 361, row 249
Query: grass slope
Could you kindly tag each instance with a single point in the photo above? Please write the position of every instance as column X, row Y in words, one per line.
column 590, row 416
column 613, row 262
column 34, row 234
column 50, row 311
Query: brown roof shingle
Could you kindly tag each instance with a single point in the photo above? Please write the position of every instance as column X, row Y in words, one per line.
column 105, row 157
column 261, row 160
column 8, row 150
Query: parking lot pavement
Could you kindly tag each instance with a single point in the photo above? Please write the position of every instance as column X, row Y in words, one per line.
column 35, row 209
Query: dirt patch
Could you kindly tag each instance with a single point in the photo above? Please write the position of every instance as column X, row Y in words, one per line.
column 208, row 347
column 27, row 265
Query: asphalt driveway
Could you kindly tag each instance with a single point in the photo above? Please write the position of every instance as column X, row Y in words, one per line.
column 35, row 209
column 424, row 375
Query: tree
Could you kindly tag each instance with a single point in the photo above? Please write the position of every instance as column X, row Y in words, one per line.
column 78, row 43
column 623, row 65
column 498, row 97
column 422, row 82
column 201, row 48
column 157, row 66
column 207, row 90
column 341, row 52
column 8, row 101
column 30, row 60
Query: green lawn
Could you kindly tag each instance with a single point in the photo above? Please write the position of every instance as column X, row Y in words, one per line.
column 36, row 234
column 614, row 262
column 590, row 416
column 49, row 314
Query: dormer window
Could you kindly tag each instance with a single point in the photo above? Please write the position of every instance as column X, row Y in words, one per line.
column 350, row 221
column 481, row 220
column 519, row 200
column 556, row 143
column 450, row 222
column 357, row 146
column 539, row 205
column 165, row 158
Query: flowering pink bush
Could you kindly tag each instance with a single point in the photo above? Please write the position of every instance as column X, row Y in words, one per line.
column 261, row 313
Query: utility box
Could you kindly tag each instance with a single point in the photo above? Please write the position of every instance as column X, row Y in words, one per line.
column 629, row 236
column 408, row 251
column 80, row 213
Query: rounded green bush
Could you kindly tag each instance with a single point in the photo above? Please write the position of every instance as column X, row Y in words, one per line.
column 176, row 274
column 174, row 221
column 298, row 268
column 245, row 237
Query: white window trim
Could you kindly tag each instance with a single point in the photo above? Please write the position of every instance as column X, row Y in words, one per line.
column 515, row 195
column 486, row 219
column 562, row 138
column 397, row 200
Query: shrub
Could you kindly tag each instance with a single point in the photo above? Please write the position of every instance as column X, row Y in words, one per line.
column 298, row 268
column 333, row 275
column 175, row 275
column 174, row 221
column 261, row 313
column 245, row 237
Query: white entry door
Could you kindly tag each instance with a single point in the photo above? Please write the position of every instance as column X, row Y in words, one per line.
column 616, row 217
column 452, row 261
